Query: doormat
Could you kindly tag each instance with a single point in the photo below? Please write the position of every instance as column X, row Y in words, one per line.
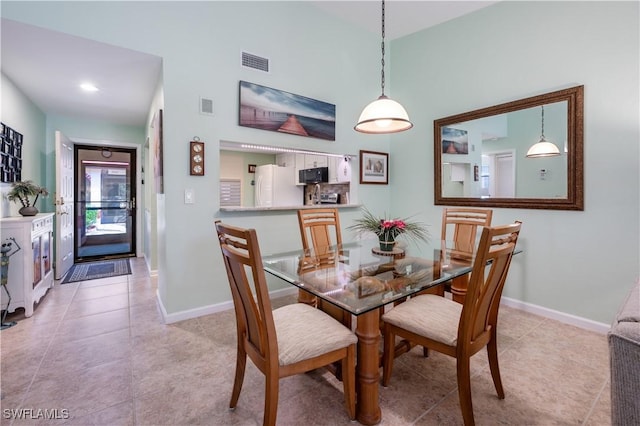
column 94, row 270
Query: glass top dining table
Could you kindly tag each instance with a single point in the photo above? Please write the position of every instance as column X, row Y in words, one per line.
column 358, row 277
column 362, row 280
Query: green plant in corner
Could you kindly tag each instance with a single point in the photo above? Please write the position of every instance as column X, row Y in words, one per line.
column 22, row 191
column 388, row 229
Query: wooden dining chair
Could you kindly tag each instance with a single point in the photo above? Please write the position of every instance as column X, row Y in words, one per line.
column 320, row 231
column 459, row 331
column 290, row 340
column 461, row 225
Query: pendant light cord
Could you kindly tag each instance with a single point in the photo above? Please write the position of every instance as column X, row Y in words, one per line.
column 382, row 74
column 542, row 121
column 383, row 115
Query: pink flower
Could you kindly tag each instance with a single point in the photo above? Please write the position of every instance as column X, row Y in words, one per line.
column 387, row 224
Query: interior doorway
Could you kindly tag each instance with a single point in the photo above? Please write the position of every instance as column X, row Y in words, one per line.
column 105, row 203
column 498, row 175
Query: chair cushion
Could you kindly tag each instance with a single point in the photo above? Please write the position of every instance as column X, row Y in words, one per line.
column 428, row 315
column 305, row 332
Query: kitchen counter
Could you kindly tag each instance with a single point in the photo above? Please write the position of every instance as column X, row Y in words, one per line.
column 285, row 208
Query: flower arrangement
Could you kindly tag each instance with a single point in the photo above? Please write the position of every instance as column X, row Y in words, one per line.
column 388, row 229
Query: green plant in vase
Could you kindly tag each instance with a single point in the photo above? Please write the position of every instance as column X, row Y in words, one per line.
column 388, row 230
column 23, row 191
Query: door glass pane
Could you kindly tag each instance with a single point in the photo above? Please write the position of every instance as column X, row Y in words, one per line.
column 37, row 264
column 105, row 204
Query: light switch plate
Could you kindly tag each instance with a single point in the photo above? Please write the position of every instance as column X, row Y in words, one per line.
column 189, row 196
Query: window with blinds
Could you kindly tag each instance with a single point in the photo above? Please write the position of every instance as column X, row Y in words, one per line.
column 230, row 192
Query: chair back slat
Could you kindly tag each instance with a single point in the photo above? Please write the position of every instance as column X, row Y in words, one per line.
column 249, row 291
column 317, row 227
column 465, row 223
column 490, row 268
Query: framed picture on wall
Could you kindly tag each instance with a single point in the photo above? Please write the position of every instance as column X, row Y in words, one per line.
column 374, row 167
column 272, row 109
column 157, row 157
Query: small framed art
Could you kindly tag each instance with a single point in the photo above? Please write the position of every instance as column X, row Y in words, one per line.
column 196, row 158
column 374, row 167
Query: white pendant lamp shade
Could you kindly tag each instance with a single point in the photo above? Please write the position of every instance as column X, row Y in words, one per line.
column 383, row 115
column 543, row 148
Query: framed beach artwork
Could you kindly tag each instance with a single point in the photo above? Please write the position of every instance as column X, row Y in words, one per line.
column 275, row 110
column 454, row 141
column 374, row 167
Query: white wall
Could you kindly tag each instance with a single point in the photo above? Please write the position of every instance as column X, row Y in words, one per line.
column 581, row 263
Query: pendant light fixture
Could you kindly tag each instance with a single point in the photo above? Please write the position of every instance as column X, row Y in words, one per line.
column 543, row 148
column 383, row 115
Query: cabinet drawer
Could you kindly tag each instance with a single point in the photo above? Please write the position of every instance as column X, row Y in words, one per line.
column 42, row 225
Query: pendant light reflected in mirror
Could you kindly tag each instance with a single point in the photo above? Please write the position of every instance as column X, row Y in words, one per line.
column 383, row 115
column 543, row 148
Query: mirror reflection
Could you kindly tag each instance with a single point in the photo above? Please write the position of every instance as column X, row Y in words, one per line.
column 496, row 147
column 497, row 156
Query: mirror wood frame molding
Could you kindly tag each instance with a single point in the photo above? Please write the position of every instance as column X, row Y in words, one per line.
column 574, row 97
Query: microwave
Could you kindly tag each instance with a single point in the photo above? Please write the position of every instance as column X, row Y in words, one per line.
column 316, row 175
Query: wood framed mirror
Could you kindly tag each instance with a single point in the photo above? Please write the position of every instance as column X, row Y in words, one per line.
column 481, row 156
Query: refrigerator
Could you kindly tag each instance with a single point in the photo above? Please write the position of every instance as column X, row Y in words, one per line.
column 275, row 187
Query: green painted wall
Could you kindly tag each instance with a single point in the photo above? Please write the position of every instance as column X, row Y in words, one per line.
column 22, row 115
column 492, row 56
column 311, row 54
column 514, row 50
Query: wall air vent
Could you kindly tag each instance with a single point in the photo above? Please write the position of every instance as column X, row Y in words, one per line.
column 206, row 106
column 255, row 62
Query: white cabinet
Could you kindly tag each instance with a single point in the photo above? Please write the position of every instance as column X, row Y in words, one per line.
column 287, row 159
column 312, row 161
column 290, row 159
column 339, row 170
column 30, row 272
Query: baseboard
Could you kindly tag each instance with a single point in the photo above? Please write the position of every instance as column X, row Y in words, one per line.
column 169, row 318
column 563, row 317
column 152, row 272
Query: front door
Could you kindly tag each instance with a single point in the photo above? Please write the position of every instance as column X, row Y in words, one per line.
column 105, row 202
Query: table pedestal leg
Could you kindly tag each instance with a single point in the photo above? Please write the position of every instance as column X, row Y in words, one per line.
column 306, row 298
column 367, row 371
column 459, row 288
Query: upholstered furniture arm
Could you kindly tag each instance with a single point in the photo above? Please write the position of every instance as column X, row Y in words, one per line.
column 624, row 355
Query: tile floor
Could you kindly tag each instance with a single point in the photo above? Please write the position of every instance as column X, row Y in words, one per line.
column 97, row 353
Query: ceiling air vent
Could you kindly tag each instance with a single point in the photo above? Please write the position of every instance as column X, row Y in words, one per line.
column 255, row 62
